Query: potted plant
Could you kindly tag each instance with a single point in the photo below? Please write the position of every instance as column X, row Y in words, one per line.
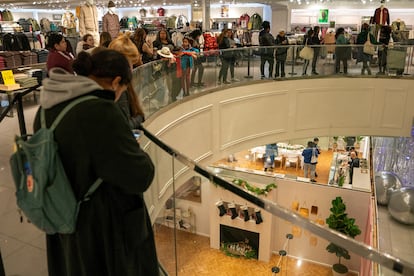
column 339, row 221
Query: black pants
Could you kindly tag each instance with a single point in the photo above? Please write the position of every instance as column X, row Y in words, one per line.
column 280, row 64
column 271, row 60
column 315, row 58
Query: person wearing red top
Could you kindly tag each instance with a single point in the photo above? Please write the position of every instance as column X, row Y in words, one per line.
column 58, row 55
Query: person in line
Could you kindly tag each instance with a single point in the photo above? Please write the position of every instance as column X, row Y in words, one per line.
column 198, row 63
column 266, row 40
column 85, row 44
column 144, row 48
column 364, row 57
column 281, row 54
column 104, row 39
column 307, row 41
column 308, row 167
column 384, row 40
column 128, row 101
column 341, row 51
column 113, row 234
column 226, row 56
column 165, row 83
column 232, row 58
column 316, row 49
column 353, row 163
column 58, row 55
column 187, row 56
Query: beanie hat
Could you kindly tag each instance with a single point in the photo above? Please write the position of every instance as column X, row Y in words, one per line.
column 111, row 4
column 265, row 24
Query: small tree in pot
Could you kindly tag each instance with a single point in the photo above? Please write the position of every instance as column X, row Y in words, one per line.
column 339, row 221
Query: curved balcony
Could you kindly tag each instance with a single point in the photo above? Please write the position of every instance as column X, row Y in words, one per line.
column 186, row 134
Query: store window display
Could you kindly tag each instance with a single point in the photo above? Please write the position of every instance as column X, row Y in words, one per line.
column 110, row 21
column 88, row 20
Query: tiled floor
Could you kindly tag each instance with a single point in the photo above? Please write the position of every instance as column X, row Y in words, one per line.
column 23, row 247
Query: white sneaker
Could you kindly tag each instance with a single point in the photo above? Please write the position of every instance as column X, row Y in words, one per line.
column 235, row 80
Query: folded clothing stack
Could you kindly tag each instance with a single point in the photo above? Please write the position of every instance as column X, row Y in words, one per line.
column 26, row 81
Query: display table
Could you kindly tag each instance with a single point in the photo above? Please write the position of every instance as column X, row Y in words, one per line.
column 16, row 97
column 284, row 150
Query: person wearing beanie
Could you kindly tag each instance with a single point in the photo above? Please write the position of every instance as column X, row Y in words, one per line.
column 110, row 21
column 266, row 40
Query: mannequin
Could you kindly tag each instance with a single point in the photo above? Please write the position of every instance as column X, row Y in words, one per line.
column 381, row 15
column 88, row 21
column 399, row 32
column 110, row 21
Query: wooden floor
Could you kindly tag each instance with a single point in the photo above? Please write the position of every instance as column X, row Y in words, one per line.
column 195, row 257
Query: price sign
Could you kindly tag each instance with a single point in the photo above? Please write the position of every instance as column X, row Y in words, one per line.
column 7, row 77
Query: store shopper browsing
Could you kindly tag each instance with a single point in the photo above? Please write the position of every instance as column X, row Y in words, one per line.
column 113, row 234
column 353, row 163
column 309, row 154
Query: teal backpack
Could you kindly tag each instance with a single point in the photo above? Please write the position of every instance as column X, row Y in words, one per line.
column 43, row 191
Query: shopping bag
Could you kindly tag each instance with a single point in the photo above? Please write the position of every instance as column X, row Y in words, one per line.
column 306, row 53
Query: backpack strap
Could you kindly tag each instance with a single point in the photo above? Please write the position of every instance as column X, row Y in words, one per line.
column 63, row 112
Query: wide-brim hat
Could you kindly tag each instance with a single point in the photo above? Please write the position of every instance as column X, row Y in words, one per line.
column 111, row 4
column 165, row 52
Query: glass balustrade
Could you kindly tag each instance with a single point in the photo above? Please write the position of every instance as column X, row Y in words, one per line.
column 159, row 83
column 258, row 224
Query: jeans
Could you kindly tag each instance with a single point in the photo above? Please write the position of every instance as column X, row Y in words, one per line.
column 309, row 168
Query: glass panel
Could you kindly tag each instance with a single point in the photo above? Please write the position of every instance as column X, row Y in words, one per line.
column 158, row 83
column 286, row 230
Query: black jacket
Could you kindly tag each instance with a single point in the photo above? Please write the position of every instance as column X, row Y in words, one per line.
column 114, row 234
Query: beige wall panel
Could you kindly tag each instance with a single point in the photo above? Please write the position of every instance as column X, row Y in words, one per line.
column 239, row 120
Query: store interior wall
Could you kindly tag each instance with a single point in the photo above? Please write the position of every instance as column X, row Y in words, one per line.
column 280, row 19
column 348, row 16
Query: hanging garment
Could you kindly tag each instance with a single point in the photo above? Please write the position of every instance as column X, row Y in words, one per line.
column 110, row 24
column 68, row 20
column 256, row 21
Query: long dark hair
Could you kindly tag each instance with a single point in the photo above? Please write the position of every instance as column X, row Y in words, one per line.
column 103, row 64
column 339, row 31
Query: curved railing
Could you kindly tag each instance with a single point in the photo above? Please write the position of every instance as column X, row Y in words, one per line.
column 157, row 83
column 154, row 89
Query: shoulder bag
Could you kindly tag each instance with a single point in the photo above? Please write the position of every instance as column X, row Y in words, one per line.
column 306, row 52
column 368, row 49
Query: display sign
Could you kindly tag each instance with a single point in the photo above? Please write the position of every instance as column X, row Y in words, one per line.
column 323, row 16
column 7, row 77
column 57, row 16
column 224, row 11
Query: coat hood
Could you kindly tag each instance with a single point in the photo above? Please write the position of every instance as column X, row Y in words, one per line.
column 62, row 86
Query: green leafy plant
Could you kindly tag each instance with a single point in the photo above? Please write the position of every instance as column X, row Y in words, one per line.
column 359, row 139
column 244, row 184
column 339, row 221
column 341, row 180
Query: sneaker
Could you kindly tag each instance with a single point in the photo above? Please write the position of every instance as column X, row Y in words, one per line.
column 234, row 80
column 314, row 73
column 219, row 83
column 226, row 82
column 313, row 180
column 262, row 77
column 200, row 84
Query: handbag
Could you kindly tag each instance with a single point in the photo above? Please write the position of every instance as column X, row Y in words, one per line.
column 306, row 52
column 368, row 49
